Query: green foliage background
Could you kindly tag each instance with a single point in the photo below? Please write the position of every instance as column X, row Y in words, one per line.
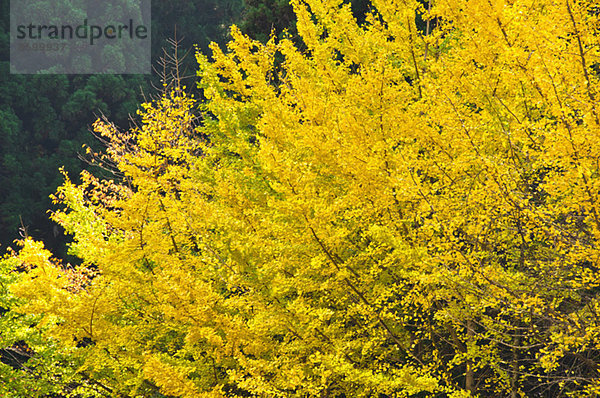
column 45, row 119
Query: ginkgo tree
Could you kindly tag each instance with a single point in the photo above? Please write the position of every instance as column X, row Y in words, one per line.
column 390, row 211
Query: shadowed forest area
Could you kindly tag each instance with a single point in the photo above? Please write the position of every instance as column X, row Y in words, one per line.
column 46, row 119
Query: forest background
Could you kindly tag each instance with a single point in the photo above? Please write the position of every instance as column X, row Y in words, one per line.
column 46, row 119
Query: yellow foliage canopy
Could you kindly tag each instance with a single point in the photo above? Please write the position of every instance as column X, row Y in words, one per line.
column 390, row 210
